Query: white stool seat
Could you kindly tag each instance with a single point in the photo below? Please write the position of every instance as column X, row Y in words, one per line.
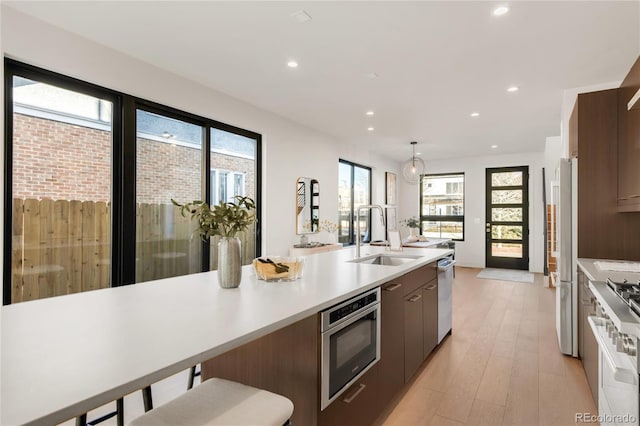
column 220, row 402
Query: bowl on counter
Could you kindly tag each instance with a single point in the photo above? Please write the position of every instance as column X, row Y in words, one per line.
column 277, row 268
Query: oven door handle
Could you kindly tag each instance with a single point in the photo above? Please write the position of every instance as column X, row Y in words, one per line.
column 622, row 373
column 353, row 396
column 356, row 317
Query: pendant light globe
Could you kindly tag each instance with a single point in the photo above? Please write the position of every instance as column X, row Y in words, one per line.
column 413, row 168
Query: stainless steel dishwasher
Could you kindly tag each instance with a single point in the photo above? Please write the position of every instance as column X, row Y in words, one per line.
column 445, row 296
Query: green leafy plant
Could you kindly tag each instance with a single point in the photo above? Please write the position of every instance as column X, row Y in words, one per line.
column 225, row 219
column 412, row 222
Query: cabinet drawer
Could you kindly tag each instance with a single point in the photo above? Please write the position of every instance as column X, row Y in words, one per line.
column 357, row 405
column 415, row 279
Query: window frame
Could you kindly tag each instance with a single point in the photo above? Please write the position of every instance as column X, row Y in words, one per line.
column 443, row 218
column 123, row 197
column 352, row 228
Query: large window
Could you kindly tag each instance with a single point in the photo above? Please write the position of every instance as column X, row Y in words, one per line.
column 89, row 178
column 59, row 192
column 442, row 205
column 234, row 171
column 354, row 190
column 168, row 166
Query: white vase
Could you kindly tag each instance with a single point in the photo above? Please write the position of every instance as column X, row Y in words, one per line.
column 229, row 262
column 412, row 238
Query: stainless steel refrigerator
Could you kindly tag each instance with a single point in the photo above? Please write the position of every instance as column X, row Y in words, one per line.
column 567, row 227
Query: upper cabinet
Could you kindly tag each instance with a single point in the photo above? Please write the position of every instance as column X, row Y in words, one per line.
column 629, row 142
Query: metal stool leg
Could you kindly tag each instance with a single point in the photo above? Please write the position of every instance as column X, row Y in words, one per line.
column 147, row 399
column 192, row 375
column 119, row 412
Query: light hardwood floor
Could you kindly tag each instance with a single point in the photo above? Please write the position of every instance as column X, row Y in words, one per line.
column 501, row 365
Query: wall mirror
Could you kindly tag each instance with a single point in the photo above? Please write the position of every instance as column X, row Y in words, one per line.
column 307, row 205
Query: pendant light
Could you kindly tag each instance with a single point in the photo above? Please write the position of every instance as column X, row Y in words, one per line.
column 413, row 168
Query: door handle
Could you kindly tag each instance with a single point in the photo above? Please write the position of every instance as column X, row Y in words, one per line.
column 353, row 396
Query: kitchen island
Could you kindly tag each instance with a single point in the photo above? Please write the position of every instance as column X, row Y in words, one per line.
column 64, row 356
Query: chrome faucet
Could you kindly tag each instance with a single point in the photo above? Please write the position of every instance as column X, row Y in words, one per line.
column 370, row 207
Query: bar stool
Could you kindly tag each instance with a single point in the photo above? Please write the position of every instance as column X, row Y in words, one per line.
column 221, row 402
column 147, row 400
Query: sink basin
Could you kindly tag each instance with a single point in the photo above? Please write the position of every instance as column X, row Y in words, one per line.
column 385, row 259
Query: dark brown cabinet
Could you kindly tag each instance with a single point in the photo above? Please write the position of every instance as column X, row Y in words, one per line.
column 603, row 232
column 420, row 316
column 629, row 143
column 391, row 364
column 358, row 405
column 284, row 362
column 413, row 333
column 587, row 344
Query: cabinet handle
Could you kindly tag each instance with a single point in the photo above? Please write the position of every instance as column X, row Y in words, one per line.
column 634, row 196
column 431, row 287
column 415, row 298
column 353, row 396
column 392, row 287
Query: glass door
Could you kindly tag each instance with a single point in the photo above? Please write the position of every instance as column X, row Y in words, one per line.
column 507, row 218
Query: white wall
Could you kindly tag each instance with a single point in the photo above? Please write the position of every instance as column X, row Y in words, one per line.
column 471, row 251
column 552, row 155
column 290, row 150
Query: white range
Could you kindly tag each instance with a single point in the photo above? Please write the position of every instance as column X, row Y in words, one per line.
column 616, row 327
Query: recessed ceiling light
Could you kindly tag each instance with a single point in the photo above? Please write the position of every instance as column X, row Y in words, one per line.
column 475, row 114
column 500, row 10
column 513, row 89
column 494, row 146
column 292, row 64
column 371, row 129
column 370, row 113
column 301, row 16
column 372, row 75
column 418, row 153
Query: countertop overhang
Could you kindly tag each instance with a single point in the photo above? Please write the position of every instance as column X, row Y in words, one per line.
column 66, row 355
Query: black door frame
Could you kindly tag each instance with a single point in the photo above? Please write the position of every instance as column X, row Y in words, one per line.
column 507, row 262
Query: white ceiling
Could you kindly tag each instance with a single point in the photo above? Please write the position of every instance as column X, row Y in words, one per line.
column 437, row 62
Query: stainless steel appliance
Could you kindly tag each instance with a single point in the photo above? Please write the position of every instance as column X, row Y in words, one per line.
column 350, row 343
column 566, row 195
column 618, row 389
column 445, row 309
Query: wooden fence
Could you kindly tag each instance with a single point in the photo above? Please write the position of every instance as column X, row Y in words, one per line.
column 63, row 247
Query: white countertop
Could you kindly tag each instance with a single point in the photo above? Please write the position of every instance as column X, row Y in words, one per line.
column 65, row 355
column 594, row 273
column 425, row 244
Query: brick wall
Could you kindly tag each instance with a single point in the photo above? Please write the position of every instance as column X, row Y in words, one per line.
column 62, row 161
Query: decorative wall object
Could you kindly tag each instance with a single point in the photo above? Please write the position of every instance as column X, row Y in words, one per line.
column 391, row 197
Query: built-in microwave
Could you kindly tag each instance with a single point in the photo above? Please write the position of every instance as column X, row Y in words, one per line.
column 350, row 343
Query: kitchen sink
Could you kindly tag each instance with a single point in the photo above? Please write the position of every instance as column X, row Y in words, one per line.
column 385, row 259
